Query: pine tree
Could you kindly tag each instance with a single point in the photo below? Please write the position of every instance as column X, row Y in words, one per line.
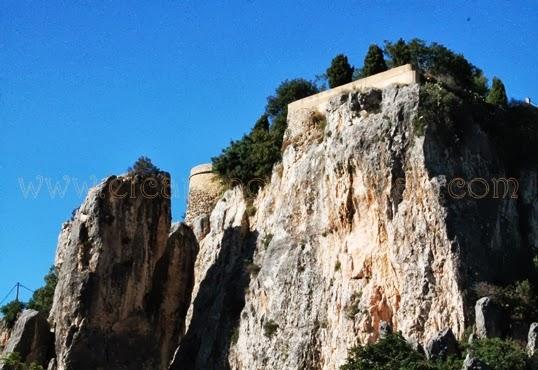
column 497, row 94
column 340, row 72
column 143, row 166
column 373, row 62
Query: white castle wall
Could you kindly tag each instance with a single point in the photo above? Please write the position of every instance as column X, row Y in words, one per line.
column 400, row 75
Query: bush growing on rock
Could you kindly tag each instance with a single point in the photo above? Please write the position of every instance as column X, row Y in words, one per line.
column 13, row 361
column 500, row 354
column 10, row 311
column 393, row 352
column 143, row 166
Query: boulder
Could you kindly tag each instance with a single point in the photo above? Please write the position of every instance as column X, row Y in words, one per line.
column 442, row 345
column 472, row 363
column 31, row 338
column 489, row 318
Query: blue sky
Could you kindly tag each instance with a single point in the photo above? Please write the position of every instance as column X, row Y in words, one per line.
column 87, row 86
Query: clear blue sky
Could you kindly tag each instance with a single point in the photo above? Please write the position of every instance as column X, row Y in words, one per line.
column 86, row 86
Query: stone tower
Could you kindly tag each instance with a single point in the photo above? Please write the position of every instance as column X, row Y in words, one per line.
column 204, row 191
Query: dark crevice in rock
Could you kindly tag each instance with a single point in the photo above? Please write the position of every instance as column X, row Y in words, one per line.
column 217, row 306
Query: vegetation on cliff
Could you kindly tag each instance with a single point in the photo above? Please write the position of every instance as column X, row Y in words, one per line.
column 394, row 353
column 450, row 80
column 251, row 158
column 41, row 300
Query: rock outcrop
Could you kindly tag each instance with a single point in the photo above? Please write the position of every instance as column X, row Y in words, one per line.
column 358, row 225
column 442, row 345
column 31, row 338
column 489, row 318
column 472, row 363
column 124, row 278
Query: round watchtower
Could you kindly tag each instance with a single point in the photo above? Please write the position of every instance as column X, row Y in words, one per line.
column 204, row 191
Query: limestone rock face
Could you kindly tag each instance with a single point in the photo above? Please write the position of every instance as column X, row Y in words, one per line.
column 4, row 335
column 124, row 278
column 222, row 276
column 357, row 226
column 31, row 338
column 489, row 318
column 532, row 343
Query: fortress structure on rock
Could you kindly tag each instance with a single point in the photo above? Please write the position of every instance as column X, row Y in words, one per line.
column 204, row 191
column 403, row 75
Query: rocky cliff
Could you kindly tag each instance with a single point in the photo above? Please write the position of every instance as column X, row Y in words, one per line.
column 360, row 223
column 125, row 277
column 376, row 213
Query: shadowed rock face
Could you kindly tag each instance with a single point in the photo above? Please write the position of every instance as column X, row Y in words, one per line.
column 125, row 278
column 31, row 338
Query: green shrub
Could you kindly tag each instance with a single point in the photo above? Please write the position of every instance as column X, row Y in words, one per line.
column 10, row 311
column 269, row 328
column 393, row 352
column 249, row 161
column 13, row 361
column 500, row 354
column 389, row 353
column 340, row 71
column 337, row 266
column 520, row 300
column 439, row 107
column 42, row 298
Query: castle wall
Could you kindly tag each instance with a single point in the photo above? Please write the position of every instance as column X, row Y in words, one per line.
column 403, row 75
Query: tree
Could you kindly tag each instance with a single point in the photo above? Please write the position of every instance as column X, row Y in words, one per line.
column 497, row 94
column 42, row 298
column 373, row 62
column 436, row 60
column 10, row 311
column 398, row 52
column 252, row 158
column 340, row 71
column 143, row 166
column 277, row 105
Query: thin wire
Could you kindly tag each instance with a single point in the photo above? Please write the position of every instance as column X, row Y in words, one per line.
column 28, row 289
column 7, row 295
